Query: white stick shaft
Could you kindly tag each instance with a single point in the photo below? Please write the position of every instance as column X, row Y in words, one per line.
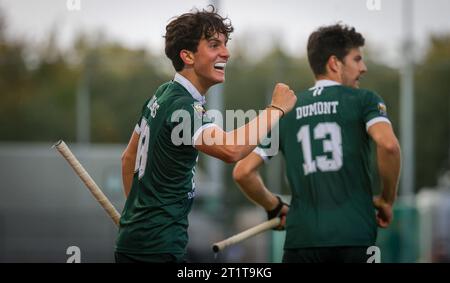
column 272, row 223
column 88, row 181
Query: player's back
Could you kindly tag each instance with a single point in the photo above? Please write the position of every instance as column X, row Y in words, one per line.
column 327, row 151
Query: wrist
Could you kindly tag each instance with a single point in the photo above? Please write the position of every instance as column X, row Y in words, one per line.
column 272, row 204
column 277, row 210
column 277, row 108
column 383, row 201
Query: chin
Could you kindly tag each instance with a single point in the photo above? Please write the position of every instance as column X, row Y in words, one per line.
column 219, row 80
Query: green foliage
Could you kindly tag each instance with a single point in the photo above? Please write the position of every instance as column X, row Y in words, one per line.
column 432, row 112
column 38, row 95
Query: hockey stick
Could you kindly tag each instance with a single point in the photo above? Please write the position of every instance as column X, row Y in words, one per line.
column 267, row 225
column 88, row 181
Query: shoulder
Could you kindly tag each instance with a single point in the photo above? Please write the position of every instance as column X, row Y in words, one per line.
column 182, row 101
column 173, row 94
column 163, row 87
column 355, row 91
column 365, row 96
column 369, row 96
column 362, row 92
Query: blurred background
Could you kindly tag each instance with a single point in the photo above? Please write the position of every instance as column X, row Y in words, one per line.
column 81, row 70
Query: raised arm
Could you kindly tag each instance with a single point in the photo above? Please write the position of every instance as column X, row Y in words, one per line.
column 223, row 145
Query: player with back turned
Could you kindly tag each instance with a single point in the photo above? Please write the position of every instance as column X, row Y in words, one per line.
column 158, row 165
column 327, row 142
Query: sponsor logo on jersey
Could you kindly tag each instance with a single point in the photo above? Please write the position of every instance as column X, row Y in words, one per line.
column 198, row 109
column 382, row 109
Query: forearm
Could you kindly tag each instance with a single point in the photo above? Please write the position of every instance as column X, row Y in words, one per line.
column 254, row 189
column 389, row 170
column 235, row 145
column 244, row 139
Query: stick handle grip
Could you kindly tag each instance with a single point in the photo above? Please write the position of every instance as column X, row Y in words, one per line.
column 88, row 181
column 267, row 225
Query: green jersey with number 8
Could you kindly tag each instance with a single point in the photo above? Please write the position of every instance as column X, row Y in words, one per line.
column 154, row 219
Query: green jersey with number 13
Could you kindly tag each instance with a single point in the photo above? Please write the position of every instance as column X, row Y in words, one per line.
column 328, row 155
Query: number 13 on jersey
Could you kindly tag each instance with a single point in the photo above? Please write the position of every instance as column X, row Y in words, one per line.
column 330, row 134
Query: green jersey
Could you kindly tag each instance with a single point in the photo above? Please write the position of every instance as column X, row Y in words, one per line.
column 155, row 216
column 328, row 155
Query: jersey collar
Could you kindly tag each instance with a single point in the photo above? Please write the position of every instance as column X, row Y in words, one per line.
column 324, row 83
column 190, row 88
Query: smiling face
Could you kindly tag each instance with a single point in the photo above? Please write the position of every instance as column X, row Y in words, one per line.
column 210, row 60
column 206, row 67
column 352, row 68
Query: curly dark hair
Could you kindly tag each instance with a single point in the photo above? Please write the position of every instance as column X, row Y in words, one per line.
column 186, row 31
column 331, row 40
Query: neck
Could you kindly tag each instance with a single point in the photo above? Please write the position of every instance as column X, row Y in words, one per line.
column 330, row 77
column 195, row 80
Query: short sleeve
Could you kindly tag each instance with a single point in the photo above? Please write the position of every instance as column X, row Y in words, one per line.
column 268, row 148
column 374, row 109
column 137, row 127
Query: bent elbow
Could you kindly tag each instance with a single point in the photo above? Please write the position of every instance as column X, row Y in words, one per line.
column 392, row 148
column 239, row 173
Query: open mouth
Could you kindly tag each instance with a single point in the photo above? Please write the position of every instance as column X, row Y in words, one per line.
column 220, row 66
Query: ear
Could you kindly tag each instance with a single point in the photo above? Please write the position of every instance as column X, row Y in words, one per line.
column 333, row 64
column 187, row 57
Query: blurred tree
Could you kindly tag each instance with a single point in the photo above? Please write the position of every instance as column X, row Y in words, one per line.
column 38, row 85
column 121, row 81
column 432, row 119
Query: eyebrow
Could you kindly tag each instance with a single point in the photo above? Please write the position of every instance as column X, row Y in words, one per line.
column 217, row 40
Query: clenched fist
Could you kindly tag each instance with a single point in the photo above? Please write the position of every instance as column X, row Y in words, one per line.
column 283, row 97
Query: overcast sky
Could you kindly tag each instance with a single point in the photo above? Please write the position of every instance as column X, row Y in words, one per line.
column 258, row 23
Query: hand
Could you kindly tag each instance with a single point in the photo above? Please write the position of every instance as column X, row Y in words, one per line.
column 283, row 97
column 384, row 214
column 281, row 211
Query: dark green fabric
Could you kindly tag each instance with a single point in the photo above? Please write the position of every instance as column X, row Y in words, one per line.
column 154, row 219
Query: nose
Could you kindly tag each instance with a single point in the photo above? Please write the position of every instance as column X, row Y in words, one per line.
column 363, row 68
column 225, row 53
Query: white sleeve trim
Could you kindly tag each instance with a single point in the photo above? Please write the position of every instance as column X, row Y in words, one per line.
column 261, row 152
column 137, row 129
column 200, row 130
column 376, row 120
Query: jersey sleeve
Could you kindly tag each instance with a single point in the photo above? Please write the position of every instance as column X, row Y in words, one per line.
column 137, row 127
column 374, row 109
column 189, row 119
column 267, row 149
